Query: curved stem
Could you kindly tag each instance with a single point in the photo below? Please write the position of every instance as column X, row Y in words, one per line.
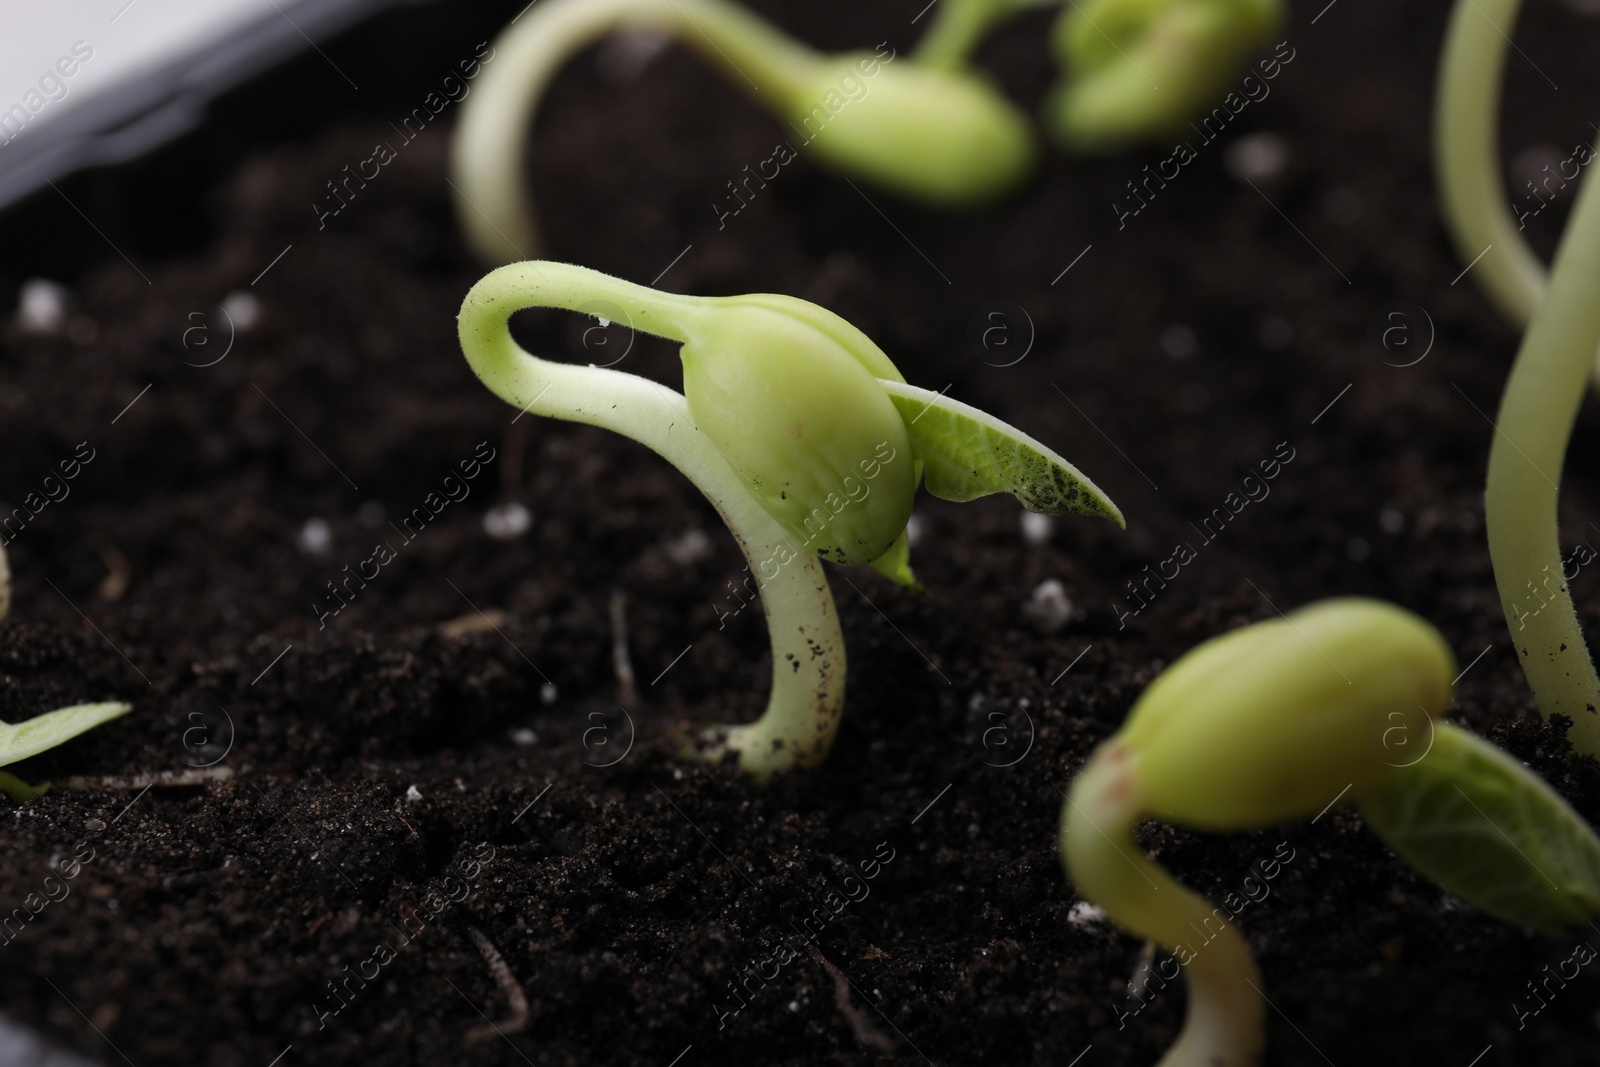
column 958, row 26
column 1225, row 1022
column 808, row 662
column 490, row 144
column 1535, row 424
column 1467, row 159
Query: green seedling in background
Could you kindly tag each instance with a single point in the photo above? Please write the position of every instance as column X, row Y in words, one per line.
column 959, row 26
column 1547, row 382
column 1280, row 721
column 1483, row 226
column 934, row 131
column 44, row 732
column 1466, row 158
column 801, row 433
column 1136, row 71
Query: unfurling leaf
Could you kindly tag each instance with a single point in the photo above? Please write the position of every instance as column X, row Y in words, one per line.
column 43, row 732
column 895, row 564
column 1491, row 832
column 969, row 453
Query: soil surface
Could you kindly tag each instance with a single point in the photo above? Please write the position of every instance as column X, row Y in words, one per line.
column 441, row 765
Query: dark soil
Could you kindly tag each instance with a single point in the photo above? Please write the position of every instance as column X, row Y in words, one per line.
column 625, row 899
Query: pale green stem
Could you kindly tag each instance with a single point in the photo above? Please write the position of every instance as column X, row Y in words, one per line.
column 1467, row 158
column 1226, row 1018
column 490, row 144
column 958, row 26
column 808, row 662
column 1525, row 463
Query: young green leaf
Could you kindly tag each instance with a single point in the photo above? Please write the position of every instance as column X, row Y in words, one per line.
column 1490, row 831
column 21, row 740
column 18, row 742
column 969, row 453
column 895, row 564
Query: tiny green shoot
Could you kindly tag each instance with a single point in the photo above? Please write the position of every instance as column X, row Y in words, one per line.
column 933, row 131
column 1280, row 721
column 803, row 436
column 1139, row 70
column 43, row 732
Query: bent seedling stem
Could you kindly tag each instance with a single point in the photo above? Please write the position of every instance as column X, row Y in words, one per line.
column 807, row 696
column 801, row 433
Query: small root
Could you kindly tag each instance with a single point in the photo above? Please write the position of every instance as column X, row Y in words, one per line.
column 866, row 1033
column 472, row 623
column 1143, row 970
column 118, row 572
column 162, row 779
column 621, row 664
column 509, row 986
